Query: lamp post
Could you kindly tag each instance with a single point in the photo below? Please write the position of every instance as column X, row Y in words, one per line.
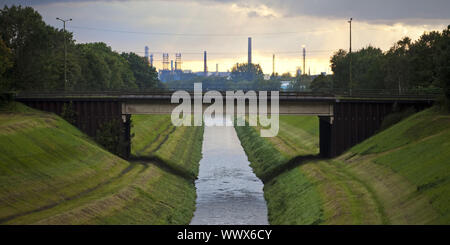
column 65, row 52
column 350, row 54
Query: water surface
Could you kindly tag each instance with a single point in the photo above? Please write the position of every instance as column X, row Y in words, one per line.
column 228, row 192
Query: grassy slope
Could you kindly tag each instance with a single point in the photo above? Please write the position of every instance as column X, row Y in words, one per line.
column 178, row 147
column 399, row 176
column 297, row 136
column 51, row 173
column 417, row 150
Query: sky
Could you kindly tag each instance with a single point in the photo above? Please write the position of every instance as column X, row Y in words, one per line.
column 221, row 27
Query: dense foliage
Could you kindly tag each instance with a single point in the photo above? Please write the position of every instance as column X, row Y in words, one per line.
column 246, row 72
column 111, row 136
column 32, row 58
column 420, row 64
column 322, row 82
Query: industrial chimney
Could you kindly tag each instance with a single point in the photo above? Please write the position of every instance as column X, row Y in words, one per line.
column 146, row 53
column 205, row 66
column 178, row 62
column 304, row 60
column 249, row 50
column 165, row 61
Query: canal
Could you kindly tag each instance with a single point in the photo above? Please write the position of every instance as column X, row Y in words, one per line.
column 228, row 192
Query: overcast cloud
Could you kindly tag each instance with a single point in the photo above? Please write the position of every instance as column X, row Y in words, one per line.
column 368, row 10
column 224, row 25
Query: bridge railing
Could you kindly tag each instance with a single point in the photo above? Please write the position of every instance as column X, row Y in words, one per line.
column 346, row 93
column 380, row 93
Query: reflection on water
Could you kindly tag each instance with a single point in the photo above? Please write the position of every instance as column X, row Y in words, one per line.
column 228, row 192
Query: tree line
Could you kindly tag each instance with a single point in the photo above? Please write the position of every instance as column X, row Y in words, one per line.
column 32, row 58
column 243, row 76
column 408, row 65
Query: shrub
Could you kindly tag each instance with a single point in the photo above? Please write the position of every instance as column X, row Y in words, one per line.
column 5, row 98
column 68, row 113
column 111, row 135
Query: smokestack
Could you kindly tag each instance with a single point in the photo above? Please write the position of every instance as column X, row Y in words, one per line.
column 178, row 62
column 304, row 60
column 165, row 61
column 146, row 53
column 151, row 60
column 217, row 69
column 249, row 50
column 205, row 66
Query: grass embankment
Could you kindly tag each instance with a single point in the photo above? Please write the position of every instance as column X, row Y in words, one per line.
column 399, row 176
column 178, row 147
column 298, row 136
column 51, row 173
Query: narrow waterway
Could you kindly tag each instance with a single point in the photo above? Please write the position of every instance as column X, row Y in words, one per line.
column 228, row 192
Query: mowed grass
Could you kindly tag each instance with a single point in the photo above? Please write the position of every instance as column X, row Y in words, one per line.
column 51, row 173
column 298, row 136
column 418, row 150
column 178, row 147
column 399, row 176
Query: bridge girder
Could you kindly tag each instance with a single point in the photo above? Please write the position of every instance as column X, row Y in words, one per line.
column 343, row 122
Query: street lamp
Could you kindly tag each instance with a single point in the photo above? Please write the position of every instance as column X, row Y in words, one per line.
column 350, row 54
column 65, row 51
column 350, row 22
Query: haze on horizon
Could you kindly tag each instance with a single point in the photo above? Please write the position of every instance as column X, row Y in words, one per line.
column 221, row 27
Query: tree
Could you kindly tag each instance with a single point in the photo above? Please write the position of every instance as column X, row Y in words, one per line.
column 367, row 68
column 5, row 64
column 103, row 69
column 274, row 76
column 422, row 64
column 248, row 72
column 398, row 66
column 286, row 76
column 146, row 76
column 421, row 55
column 322, row 83
column 267, row 85
column 32, row 55
column 340, row 66
column 35, row 49
column 301, row 82
column 442, row 61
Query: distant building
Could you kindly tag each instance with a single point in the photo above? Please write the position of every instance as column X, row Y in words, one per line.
column 214, row 74
column 171, row 75
column 177, row 75
column 285, row 85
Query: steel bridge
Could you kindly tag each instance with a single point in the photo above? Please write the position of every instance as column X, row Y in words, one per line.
column 344, row 120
